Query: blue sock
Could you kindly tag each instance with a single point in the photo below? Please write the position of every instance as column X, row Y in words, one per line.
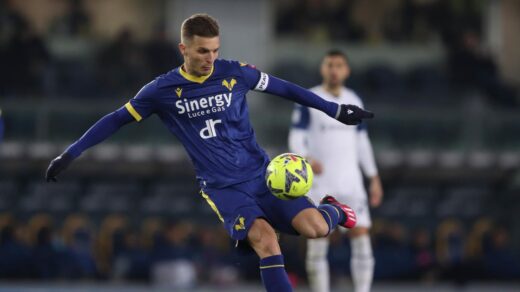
column 332, row 215
column 273, row 274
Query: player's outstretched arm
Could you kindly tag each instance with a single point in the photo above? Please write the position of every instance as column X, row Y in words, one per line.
column 100, row 131
column 345, row 113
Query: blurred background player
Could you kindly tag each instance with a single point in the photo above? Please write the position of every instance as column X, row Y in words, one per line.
column 336, row 155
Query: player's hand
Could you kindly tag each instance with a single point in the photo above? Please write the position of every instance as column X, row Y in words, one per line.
column 58, row 165
column 376, row 192
column 316, row 166
column 353, row 115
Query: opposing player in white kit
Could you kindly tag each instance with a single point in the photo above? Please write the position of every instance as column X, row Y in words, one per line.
column 337, row 155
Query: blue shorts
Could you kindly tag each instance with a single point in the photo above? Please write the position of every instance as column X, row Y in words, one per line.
column 237, row 206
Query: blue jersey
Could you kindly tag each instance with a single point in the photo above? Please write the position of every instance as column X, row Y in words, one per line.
column 210, row 116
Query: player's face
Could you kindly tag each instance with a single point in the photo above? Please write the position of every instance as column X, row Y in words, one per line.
column 334, row 70
column 199, row 54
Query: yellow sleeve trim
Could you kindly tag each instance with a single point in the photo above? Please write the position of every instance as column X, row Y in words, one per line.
column 212, row 205
column 133, row 112
column 272, row 266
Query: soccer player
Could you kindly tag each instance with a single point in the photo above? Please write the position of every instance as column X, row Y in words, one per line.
column 203, row 103
column 336, row 155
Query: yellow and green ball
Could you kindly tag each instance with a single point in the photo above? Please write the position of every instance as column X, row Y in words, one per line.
column 289, row 176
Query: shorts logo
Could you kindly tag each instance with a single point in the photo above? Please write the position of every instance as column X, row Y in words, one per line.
column 209, row 131
column 229, row 85
column 178, row 91
column 241, row 225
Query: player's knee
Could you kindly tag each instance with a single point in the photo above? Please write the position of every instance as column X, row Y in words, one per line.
column 322, row 230
column 311, row 224
column 269, row 246
column 263, row 239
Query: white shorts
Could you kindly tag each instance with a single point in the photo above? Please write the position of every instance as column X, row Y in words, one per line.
column 357, row 201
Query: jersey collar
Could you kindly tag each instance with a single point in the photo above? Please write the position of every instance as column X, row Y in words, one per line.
column 193, row 78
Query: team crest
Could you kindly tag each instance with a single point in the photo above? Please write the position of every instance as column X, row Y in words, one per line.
column 178, row 91
column 229, row 85
column 241, row 225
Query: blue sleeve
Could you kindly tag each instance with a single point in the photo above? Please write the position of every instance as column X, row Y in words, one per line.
column 101, row 130
column 250, row 74
column 144, row 103
column 261, row 81
column 301, row 117
column 138, row 108
column 298, row 94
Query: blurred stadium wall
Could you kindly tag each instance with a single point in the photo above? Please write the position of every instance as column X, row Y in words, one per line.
column 442, row 77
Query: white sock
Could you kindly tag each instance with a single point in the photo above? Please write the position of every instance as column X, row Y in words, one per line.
column 317, row 264
column 361, row 263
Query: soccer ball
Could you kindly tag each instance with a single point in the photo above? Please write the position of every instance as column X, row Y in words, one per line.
column 289, row 176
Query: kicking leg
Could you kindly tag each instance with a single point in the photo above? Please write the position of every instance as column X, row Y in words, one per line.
column 311, row 222
column 361, row 261
column 263, row 240
column 317, row 264
column 319, row 222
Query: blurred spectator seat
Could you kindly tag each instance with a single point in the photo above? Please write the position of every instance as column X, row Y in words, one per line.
column 8, row 194
column 42, row 196
column 384, row 82
column 464, row 201
column 138, row 153
column 170, row 199
column 296, row 72
column 110, row 197
column 12, row 150
column 428, row 84
column 409, row 202
column 42, row 150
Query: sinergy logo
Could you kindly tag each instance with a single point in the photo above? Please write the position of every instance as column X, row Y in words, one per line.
column 205, row 105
